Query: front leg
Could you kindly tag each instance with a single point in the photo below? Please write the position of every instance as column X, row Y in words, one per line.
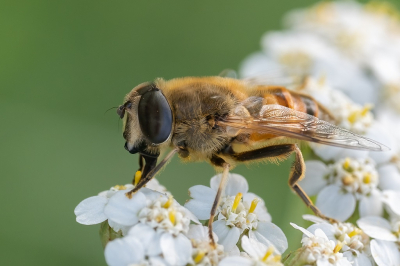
column 150, row 170
column 218, row 162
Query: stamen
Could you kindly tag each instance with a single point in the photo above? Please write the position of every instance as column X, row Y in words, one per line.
column 253, row 205
column 270, row 250
column 277, row 258
column 354, row 232
column 171, row 216
column 199, row 256
column 237, row 201
column 118, row 187
column 138, row 176
column 366, row 109
column 338, row 247
column 347, row 180
column 346, row 164
column 367, row 178
column 168, row 203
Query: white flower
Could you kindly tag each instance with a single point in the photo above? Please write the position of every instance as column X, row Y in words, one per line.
column 320, row 250
column 237, row 212
column 140, row 247
column 203, row 253
column 259, row 255
column 385, row 253
column 354, row 243
column 380, row 228
column 340, row 185
column 99, row 208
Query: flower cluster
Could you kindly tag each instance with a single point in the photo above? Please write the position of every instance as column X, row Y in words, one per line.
column 152, row 228
column 344, row 54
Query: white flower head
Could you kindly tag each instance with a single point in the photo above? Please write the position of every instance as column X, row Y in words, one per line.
column 319, row 249
column 257, row 254
column 238, row 212
column 107, row 204
column 204, row 254
column 350, row 240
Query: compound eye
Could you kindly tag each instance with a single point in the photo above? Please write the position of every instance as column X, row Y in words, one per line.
column 155, row 116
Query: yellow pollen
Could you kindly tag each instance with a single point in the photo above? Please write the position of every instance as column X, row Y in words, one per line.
column 338, row 247
column 199, row 256
column 354, row 232
column 237, row 201
column 366, row 109
column 277, row 258
column 138, row 176
column 270, row 250
column 367, row 178
column 347, row 180
column 253, row 205
column 346, row 164
column 171, row 216
column 118, row 187
column 357, row 114
column 168, row 203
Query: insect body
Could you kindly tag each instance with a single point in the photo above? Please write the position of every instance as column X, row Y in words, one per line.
column 227, row 121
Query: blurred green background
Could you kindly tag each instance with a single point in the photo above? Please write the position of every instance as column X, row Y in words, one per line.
column 63, row 64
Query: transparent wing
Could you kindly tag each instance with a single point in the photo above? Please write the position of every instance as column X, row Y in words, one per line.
column 283, row 121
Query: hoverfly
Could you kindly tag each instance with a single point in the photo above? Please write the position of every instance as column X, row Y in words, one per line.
column 226, row 121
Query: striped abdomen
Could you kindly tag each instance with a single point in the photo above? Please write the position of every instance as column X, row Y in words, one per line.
column 292, row 100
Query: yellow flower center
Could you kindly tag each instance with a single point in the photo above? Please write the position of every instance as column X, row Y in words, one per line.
column 118, row 187
column 168, row 203
column 355, row 232
column 236, row 201
column 199, row 256
column 171, row 216
column 357, row 114
column 367, row 178
column 273, row 258
column 346, row 164
column 138, row 176
column 338, row 247
column 253, row 205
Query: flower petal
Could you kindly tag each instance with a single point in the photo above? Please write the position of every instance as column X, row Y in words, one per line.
column 124, row 251
column 376, row 227
column 118, row 227
column 389, row 177
column 203, row 193
column 371, row 205
column 123, row 210
column 360, row 260
column 314, row 180
column 236, row 261
column 334, row 203
column 199, row 208
column 392, row 198
column 385, row 253
column 176, row 250
column 328, row 229
column 91, row 210
column 228, row 237
column 144, row 233
column 307, row 233
column 235, row 184
column 270, row 234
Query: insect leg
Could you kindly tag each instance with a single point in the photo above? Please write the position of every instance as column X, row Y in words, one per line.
column 297, row 172
column 150, row 170
column 216, row 201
